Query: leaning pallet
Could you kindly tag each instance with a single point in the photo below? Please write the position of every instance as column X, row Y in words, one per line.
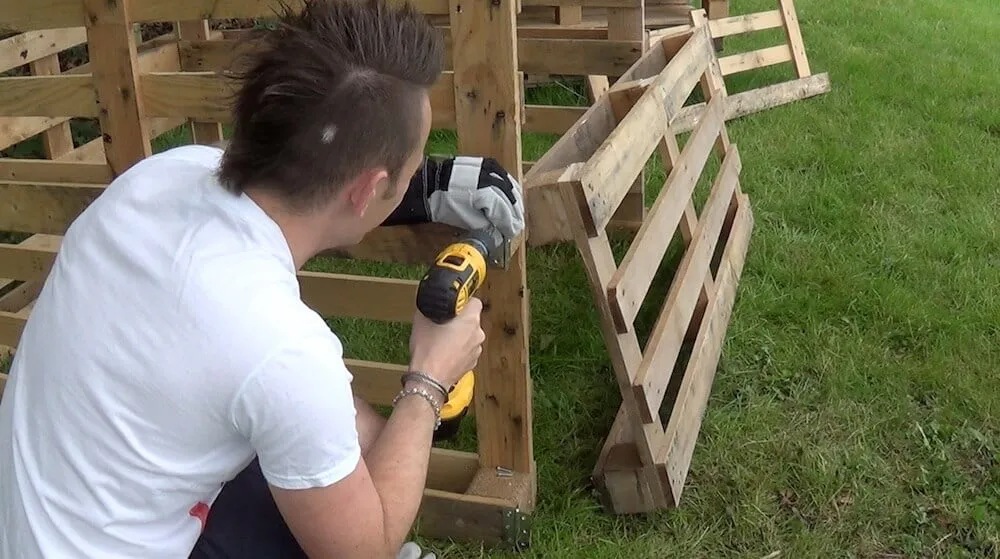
column 549, row 222
column 645, row 460
column 135, row 91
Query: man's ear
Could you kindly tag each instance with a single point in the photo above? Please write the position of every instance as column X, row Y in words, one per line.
column 363, row 190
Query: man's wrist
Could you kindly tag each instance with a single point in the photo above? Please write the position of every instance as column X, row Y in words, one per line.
column 420, row 391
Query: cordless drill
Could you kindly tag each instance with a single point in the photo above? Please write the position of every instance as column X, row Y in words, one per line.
column 452, row 280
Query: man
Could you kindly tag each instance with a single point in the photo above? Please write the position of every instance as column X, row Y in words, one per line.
column 169, row 351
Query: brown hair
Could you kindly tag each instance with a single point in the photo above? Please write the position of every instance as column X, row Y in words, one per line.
column 333, row 89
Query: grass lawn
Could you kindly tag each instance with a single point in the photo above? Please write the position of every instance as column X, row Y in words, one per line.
column 855, row 411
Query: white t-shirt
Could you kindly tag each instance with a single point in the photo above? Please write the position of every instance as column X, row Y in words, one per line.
column 168, row 346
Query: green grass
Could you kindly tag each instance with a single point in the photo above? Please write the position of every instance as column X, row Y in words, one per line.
column 855, row 408
column 855, row 411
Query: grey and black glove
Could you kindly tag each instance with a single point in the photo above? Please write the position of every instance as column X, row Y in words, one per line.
column 465, row 192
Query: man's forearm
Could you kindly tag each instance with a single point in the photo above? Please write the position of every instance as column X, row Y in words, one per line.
column 398, row 462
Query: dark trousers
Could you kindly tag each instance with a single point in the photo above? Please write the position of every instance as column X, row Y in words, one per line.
column 245, row 523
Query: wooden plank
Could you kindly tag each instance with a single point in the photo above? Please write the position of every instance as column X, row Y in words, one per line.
column 578, row 57
column 462, row 517
column 609, row 174
column 41, row 14
column 185, row 10
column 51, row 96
column 540, row 55
column 202, row 132
column 761, row 58
column 43, row 207
column 375, row 383
column 16, row 129
column 57, row 140
column 748, row 23
column 686, row 417
column 488, row 119
column 667, row 336
column 757, row 100
column 28, row 47
column 207, row 96
column 584, row 3
column 623, row 347
column 548, row 221
column 551, row 119
column 623, row 24
column 374, row 298
column 794, row 34
column 114, row 66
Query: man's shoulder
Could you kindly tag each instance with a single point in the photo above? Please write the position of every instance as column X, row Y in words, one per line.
column 251, row 295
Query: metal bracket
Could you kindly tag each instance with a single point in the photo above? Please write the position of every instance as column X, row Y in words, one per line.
column 516, row 529
column 501, row 256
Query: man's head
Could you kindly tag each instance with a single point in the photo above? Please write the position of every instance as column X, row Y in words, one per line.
column 333, row 114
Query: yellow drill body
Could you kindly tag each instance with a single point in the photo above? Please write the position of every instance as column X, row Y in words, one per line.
column 456, row 274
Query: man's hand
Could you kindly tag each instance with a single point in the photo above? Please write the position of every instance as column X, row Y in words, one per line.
column 465, row 192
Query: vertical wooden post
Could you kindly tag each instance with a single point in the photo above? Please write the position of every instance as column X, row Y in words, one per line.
column 716, row 9
column 198, row 30
column 112, row 48
column 58, row 140
column 488, row 106
column 629, row 24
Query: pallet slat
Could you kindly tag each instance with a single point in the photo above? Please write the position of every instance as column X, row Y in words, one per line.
column 186, row 10
column 44, row 171
column 668, row 333
column 609, row 174
column 631, row 282
column 753, row 60
column 28, row 47
column 51, row 96
column 748, row 23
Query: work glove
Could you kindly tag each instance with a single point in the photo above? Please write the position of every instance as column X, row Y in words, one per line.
column 411, row 550
column 465, row 192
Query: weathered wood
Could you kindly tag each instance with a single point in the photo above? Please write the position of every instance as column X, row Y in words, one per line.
column 609, row 174
column 41, row 14
column 488, row 119
column 28, row 47
column 686, row 417
column 623, row 347
column 753, row 60
column 631, row 282
column 667, row 336
column 48, row 96
column 754, row 101
column 16, row 129
column 794, row 35
column 747, row 23
column 115, row 73
column 57, row 140
column 536, row 55
column 186, row 10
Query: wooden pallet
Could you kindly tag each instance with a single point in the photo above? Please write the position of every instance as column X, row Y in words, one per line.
column 137, row 91
column 645, row 459
column 549, row 222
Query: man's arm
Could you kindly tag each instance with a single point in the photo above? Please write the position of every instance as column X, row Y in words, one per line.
column 343, row 489
column 369, row 423
column 370, row 512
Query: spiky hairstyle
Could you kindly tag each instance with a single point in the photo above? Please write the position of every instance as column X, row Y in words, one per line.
column 333, row 88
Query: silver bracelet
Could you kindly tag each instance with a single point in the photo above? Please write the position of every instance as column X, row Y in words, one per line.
column 427, row 379
column 420, row 391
